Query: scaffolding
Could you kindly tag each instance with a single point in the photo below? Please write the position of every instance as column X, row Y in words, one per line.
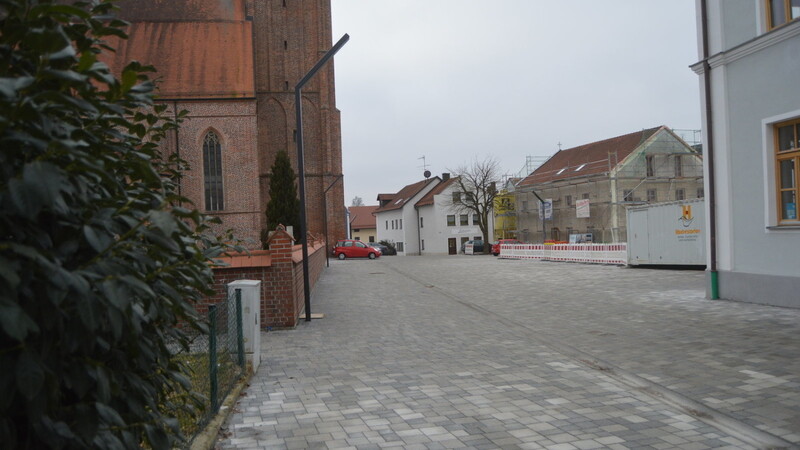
column 668, row 167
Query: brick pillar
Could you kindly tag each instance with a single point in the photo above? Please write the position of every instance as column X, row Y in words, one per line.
column 280, row 290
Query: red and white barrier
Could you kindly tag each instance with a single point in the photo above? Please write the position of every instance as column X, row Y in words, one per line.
column 583, row 253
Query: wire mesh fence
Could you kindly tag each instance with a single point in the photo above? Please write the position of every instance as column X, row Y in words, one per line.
column 216, row 361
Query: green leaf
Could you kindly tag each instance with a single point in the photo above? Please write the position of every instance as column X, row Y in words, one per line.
column 157, row 437
column 30, row 375
column 129, row 79
column 86, row 61
column 66, row 52
column 8, row 272
column 109, row 414
column 10, row 86
column 164, row 221
column 97, row 241
column 25, row 198
column 15, row 322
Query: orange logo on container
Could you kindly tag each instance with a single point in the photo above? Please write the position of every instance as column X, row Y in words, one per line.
column 686, row 215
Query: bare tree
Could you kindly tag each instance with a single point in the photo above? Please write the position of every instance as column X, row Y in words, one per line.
column 357, row 201
column 477, row 183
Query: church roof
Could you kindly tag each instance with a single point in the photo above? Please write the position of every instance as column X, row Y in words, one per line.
column 181, row 10
column 201, row 49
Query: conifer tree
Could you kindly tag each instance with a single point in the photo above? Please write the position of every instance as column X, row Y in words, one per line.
column 284, row 204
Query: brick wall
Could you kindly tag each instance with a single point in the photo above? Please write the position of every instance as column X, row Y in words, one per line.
column 280, row 271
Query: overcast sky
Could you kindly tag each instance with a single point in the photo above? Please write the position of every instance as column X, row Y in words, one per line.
column 455, row 80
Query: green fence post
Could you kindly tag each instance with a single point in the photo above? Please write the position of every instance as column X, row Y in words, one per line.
column 212, row 356
column 239, row 327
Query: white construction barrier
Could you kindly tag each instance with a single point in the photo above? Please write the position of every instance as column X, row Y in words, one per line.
column 583, row 253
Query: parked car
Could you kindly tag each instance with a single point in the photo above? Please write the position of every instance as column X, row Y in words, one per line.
column 384, row 249
column 348, row 248
column 477, row 246
column 496, row 245
column 390, row 249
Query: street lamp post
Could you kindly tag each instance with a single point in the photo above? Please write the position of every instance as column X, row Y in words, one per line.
column 298, row 107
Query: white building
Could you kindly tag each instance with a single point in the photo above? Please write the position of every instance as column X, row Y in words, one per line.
column 443, row 225
column 749, row 75
column 396, row 217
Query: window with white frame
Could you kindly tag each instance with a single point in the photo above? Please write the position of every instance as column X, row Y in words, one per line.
column 451, row 220
column 463, row 219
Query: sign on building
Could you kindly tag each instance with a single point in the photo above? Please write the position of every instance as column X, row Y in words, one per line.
column 546, row 209
column 582, row 208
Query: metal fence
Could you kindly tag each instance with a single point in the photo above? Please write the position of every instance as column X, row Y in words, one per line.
column 216, row 360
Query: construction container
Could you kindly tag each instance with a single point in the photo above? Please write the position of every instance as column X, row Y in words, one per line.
column 672, row 233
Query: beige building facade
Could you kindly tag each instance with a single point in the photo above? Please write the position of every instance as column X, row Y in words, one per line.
column 590, row 186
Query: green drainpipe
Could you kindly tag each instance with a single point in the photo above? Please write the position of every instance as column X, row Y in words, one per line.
column 714, row 285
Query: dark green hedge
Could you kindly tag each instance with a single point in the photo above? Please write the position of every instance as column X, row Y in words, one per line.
column 98, row 263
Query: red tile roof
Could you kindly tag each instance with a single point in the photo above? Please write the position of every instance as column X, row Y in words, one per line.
column 405, row 194
column 194, row 59
column 361, row 216
column 588, row 159
column 428, row 198
column 182, row 10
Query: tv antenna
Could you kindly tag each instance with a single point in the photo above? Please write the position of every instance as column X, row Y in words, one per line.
column 424, row 166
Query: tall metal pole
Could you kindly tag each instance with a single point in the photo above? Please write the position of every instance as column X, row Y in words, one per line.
column 298, row 107
column 541, row 212
column 325, row 217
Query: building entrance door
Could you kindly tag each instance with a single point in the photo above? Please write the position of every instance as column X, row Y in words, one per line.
column 451, row 246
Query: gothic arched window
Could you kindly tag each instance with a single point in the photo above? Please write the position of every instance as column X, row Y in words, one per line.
column 212, row 172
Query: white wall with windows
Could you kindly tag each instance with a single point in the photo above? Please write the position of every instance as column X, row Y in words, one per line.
column 400, row 225
column 756, row 112
column 441, row 222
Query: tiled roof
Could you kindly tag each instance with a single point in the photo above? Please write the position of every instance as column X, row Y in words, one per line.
column 212, row 59
column 183, row 10
column 361, row 216
column 405, row 194
column 588, row 159
column 428, row 198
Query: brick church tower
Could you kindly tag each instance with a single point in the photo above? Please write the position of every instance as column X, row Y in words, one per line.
column 233, row 65
column 293, row 35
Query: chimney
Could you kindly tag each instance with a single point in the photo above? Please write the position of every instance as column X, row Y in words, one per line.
column 445, row 176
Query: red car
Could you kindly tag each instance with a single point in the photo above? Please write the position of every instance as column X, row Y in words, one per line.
column 496, row 245
column 347, row 248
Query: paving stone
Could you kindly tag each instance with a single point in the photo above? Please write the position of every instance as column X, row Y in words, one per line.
column 475, row 352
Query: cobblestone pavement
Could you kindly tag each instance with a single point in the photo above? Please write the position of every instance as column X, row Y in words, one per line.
column 479, row 352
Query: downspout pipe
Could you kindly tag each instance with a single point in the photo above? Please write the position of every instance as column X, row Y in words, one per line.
column 709, row 157
column 419, row 233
